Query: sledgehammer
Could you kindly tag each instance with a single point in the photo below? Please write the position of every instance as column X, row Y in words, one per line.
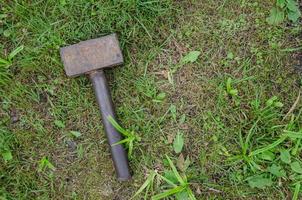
column 91, row 57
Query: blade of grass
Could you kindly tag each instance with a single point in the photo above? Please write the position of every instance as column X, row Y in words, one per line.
column 122, row 141
column 242, row 144
column 168, row 192
column 143, row 26
column 248, row 138
column 268, row 147
column 117, row 126
column 130, row 148
column 15, row 52
column 294, row 135
column 177, row 175
column 296, row 192
column 147, row 191
column 167, row 180
column 145, row 184
column 296, row 147
column 191, row 194
column 4, row 62
column 291, row 49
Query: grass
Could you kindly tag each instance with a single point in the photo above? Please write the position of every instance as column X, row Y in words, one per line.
column 130, row 138
column 215, row 73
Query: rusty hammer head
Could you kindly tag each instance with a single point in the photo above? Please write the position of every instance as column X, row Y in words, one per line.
column 90, row 55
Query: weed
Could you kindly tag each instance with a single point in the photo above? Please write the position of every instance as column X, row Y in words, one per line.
column 130, row 136
column 191, row 57
column 230, row 90
column 178, row 185
column 272, row 160
column 44, row 164
column 148, row 185
column 284, row 9
column 5, row 63
column 6, row 139
column 147, row 87
column 75, row 134
column 178, row 142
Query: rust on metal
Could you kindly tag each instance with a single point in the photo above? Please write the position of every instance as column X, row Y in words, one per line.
column 90, row 55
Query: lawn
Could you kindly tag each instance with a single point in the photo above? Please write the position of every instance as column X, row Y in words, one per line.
column 211, row 87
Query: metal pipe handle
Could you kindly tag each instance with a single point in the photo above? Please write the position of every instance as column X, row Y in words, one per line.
column 103, row 97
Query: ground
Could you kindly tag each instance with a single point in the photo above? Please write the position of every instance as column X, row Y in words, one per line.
column 244, row 84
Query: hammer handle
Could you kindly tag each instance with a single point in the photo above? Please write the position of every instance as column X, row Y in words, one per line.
column 103, row 97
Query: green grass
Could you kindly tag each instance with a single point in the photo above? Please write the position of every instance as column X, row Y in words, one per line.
column 230, row 103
